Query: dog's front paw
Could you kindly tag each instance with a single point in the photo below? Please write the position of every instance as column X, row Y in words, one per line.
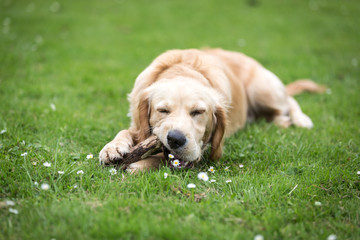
column 302, row 120
column 113, row 153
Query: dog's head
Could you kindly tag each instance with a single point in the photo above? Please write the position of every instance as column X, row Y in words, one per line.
column 186, row 115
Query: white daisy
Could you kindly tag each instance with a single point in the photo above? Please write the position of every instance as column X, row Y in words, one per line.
column 39, row 39
column 47, row 164
column 90, row 156
column 7, row 21
column 45, row 186
column 60, row 172
column 3, row 131
column 226, row 168
column 318, row 204
column 30, row 7
column 171, row 156
column 14, row 211
column 191, row 185
column 228, row 181
column 241, row 166
column 53, row 107
column 165, row 175
column 34, row 163
column 36, row 183
column 10, row 203
column 203, row 176
column 358, row 172
column 175, row 163
column 354, row 62
column 211, row 169
column 331, row 237
column 259, row 237
column 24, row 154
column 55, row 7
column 241, row 42
column 80, row 172
column 212, row 180
column 113, row 171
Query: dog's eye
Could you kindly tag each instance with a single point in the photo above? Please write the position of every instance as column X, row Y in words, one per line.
column 163, row 110
column 197, row 112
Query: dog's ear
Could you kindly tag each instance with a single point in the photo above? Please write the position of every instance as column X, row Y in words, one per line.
column 142, row 117
column 217, row 139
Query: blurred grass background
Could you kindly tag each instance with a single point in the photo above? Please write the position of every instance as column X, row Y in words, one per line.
column 83, row 56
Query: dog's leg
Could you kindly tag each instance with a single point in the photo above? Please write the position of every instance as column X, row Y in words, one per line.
column 298, row 118
column 288, row 113
column 152, row 162
column 282, row 121
column 117, row 148
column 268, row 97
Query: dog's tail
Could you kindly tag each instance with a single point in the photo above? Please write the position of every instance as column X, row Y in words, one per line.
column 303, row 85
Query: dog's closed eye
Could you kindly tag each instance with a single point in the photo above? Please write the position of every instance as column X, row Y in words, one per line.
column 163, row 110
column 197, row 112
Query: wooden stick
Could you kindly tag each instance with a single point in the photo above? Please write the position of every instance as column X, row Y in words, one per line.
column 142, row 150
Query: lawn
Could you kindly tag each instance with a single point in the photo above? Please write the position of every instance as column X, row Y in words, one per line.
column 66, row 68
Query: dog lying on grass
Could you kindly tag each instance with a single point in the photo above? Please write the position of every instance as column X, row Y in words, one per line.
column 194, row 99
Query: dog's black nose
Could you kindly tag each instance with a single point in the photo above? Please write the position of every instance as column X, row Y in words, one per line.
column 176, row 139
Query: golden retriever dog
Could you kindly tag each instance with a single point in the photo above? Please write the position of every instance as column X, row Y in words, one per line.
column 193, row 99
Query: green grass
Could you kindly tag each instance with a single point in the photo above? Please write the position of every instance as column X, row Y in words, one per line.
column 83, row 57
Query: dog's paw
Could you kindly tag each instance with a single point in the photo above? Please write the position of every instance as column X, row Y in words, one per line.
column 302, row 120
column 151, row 162
column 282, row 121
column 113, row 153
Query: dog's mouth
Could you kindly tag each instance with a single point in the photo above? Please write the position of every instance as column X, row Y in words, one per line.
column 175, row 162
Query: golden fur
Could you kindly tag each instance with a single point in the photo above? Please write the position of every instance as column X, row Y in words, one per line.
column 206, row 95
